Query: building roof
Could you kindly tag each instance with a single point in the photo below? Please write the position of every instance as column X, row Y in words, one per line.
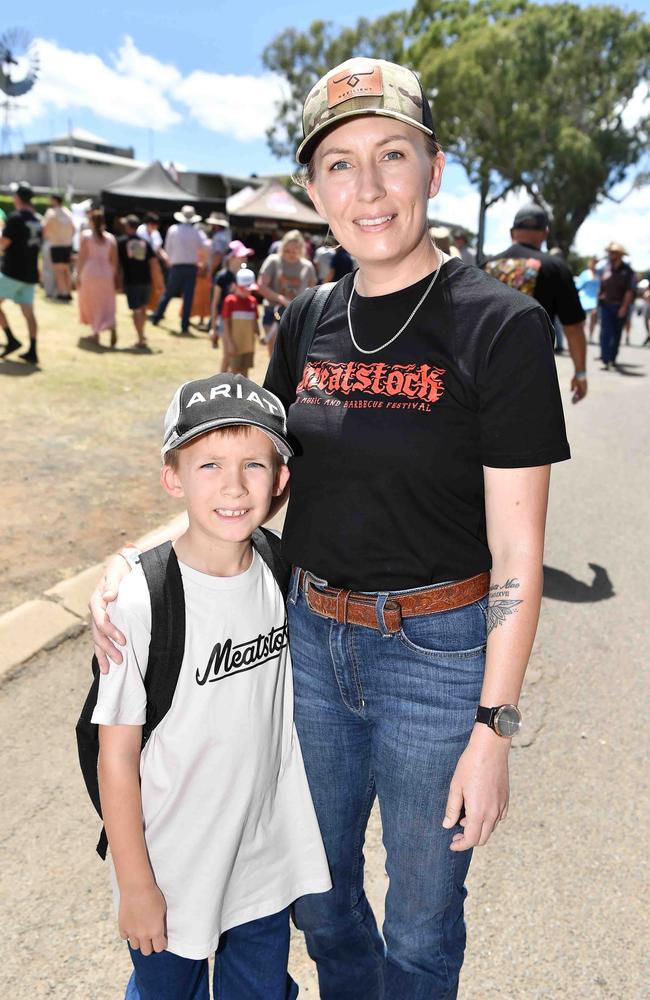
column 82, row 135
column 94, row 156
column 151, row 181
column 272, row 202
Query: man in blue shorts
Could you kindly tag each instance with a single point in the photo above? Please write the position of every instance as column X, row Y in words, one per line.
column 21, row 242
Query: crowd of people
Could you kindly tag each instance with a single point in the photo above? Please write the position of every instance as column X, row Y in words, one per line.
column 198, row 261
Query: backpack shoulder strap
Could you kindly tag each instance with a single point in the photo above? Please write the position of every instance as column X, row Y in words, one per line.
column 269, row 547
column 314, row 313
column 167, row 645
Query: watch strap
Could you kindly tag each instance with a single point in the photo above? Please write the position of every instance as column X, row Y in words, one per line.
column 486, row 715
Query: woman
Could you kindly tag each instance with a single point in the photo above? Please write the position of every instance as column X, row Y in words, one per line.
column 97, row 270
column 282, row 277
column 424, row 422
column 588, row 285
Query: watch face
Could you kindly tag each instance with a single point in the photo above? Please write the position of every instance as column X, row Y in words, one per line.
column 508, row 721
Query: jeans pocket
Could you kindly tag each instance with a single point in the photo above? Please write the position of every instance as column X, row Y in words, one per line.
column 459, row 634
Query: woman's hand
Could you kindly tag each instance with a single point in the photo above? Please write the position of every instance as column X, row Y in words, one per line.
column 142, row 918
column 105, row 635
column 480, row 784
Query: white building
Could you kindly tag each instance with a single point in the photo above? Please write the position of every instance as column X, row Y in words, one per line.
column 79, row 164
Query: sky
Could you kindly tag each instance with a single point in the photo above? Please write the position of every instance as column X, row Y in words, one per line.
column 184, row 82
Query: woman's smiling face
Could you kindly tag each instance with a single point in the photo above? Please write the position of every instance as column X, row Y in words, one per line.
column 372, row 179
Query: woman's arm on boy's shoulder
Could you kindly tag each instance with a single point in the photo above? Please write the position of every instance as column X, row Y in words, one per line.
column 106, row 637
column 142, row 905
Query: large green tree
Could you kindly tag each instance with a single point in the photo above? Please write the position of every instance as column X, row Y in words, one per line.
column 524, row 95
column 303, row 57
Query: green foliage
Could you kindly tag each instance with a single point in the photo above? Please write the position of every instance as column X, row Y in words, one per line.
column 303, row 57
column 523, row 94
column 41, row 205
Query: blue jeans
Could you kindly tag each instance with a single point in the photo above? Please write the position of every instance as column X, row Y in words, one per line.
column 181, row 279
column 611, row 328
column 388, row 716
column 250, row 964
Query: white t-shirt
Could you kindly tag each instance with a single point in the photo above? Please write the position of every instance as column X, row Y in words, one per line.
column 229, row 822
column 153, row 237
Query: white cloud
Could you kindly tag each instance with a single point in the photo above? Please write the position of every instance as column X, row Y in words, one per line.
column 131, row 62
column 69, row 80
column 241, row 106
column 139, row 90
column 637, row 106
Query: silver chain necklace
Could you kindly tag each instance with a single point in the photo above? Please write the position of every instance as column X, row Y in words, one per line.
column 375, row 350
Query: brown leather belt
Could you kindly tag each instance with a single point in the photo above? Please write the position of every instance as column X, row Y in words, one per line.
column 348, row 607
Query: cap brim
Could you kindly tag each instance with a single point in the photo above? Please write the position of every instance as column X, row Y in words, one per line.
column 283, row 447
column 306, row 147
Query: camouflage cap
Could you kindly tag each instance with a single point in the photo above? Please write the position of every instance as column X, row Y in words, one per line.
column 362, row 86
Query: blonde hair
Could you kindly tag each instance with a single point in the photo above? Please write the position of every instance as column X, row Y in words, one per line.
column 293, row 236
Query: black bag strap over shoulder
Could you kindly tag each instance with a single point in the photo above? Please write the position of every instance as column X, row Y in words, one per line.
column 167, row 644
column 166, row 650
column 314, row 313
column 269, row 547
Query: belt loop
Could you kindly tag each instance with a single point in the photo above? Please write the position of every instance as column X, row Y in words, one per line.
column 382, row 598
column 294, row 585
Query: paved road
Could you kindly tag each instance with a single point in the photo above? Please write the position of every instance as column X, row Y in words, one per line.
column 557, row 899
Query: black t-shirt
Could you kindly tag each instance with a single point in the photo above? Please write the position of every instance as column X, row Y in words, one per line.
column 387, row 479
column 542, row 275
column 225, row 280
column 20, row 260
column 135, row 254
column 341, row 264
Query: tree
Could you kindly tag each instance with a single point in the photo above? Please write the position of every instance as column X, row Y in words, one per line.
column 523, row 94
column 303, row 57
column 480, row 97
column 589, row 64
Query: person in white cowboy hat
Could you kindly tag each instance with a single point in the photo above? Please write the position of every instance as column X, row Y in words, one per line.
column 220, row 235
column 615, row 298
column 182, row 245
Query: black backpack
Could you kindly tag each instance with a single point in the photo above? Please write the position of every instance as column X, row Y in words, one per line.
column 166, row 649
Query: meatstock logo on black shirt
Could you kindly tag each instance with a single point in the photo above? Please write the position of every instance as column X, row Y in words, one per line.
column 228, row 660
column 374, row 385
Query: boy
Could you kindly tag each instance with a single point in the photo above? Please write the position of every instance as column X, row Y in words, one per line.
column 136, row 258
column 241, row 323
column 211, row 826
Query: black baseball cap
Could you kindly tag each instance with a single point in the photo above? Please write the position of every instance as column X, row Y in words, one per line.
column 22, row 189
column 531, row 216
column 223, row 400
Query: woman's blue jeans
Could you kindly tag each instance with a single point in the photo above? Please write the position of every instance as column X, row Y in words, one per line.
column 388, row 716
column 250, row 964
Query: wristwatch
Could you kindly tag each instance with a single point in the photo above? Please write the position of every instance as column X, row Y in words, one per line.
column 505, row 720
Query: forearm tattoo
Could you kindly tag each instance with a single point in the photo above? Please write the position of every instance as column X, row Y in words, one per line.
column 501, row 604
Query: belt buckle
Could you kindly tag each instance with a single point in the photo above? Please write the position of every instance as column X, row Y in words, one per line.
column 309, row 581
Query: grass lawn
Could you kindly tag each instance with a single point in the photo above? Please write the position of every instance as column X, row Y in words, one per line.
column 81, row 441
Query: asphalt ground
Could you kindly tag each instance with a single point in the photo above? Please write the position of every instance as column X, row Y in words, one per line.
column 557, row 906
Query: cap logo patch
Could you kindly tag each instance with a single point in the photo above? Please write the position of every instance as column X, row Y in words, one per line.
column 354, row 84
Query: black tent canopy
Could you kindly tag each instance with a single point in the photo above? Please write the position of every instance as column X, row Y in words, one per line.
column 152, row 189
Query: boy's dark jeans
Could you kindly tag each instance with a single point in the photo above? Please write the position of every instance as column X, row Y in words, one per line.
column 250, row 964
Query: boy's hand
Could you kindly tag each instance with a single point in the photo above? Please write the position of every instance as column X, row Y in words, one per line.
column 142, row 919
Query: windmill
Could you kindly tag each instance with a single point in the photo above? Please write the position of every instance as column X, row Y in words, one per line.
column 19, row 65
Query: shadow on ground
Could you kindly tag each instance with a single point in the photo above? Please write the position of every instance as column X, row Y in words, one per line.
column 561, row 586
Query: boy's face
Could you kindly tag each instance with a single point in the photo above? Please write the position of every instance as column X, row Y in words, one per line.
column 242, row 291
column 228, row 482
